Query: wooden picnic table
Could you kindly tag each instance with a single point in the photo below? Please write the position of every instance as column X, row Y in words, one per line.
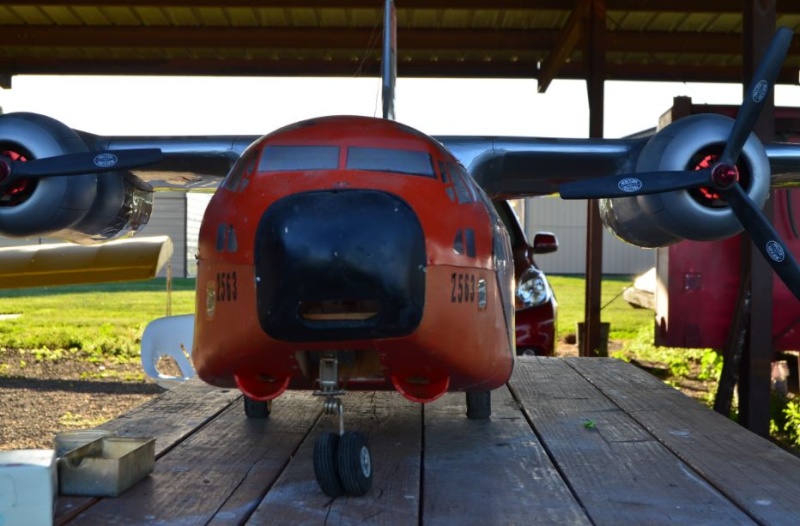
column 571, row 441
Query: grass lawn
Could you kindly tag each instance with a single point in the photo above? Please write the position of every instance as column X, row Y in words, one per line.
column 105, row 322
column 92, row 322
column 694, row 371
column 626, row 322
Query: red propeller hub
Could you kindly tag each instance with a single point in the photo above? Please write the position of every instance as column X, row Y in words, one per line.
column 724, row 175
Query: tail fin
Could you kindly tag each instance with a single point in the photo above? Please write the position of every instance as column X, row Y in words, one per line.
column 389, row 66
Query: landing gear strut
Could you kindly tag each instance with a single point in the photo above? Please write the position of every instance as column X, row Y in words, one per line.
column 342, row 462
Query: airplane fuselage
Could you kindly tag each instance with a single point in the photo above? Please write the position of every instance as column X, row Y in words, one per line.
column 361, row 236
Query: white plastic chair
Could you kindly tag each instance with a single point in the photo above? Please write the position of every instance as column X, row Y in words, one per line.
column 171, row 336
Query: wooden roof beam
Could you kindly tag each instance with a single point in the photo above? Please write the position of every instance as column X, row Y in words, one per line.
column 347, row 68
column 665, row 6
column 12, row 36
column 567, row 39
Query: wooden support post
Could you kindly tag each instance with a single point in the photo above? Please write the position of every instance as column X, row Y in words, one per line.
column 758, row 28
column 595, row 79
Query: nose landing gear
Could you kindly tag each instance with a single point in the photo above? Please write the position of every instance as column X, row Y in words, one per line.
column 342, row 462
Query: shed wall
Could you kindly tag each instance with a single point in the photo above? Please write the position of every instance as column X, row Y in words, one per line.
column 567, row 219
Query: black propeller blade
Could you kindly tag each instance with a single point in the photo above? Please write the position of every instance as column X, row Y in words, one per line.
column 77, row 164
column 757, row 94
column 635, row 184
column 764, row 237
column 723, row 176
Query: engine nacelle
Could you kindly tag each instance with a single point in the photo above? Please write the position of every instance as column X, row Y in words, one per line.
column 82, row 208
column 662, row 219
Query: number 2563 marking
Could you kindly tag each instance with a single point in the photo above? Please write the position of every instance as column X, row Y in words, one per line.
column 226, row 286
column 462, row 288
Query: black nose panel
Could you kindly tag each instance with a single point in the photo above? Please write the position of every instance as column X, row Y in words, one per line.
column 340, row 265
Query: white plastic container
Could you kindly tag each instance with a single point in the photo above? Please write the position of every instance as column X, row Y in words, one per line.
column 28, row 487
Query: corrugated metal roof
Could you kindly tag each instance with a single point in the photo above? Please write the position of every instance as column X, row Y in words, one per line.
column 646, row 39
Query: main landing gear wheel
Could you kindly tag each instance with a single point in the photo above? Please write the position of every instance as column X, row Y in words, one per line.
column 326, row 455
column 479, row 405
column 257, row 408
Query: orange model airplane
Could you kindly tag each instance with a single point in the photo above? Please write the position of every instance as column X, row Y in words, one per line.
column 346, row 253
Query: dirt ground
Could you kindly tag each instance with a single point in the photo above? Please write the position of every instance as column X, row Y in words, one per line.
column 38, row 400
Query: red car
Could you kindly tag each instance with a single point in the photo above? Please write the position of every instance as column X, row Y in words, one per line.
column 536, row 304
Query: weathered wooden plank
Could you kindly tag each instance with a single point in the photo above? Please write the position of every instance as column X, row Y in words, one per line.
column 394, row 428
column 760, row 477
column 618, row 471
column 175, row 414
column 169, row 417
column 492, row 471
column 229, row 455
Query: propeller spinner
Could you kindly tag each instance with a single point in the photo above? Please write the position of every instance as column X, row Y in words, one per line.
column 723, row 176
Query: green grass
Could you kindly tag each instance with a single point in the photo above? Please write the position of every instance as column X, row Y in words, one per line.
column 626, row 321
column 633, row 329
column 94, row 322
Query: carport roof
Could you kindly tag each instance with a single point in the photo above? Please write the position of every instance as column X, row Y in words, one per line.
column 678, row 40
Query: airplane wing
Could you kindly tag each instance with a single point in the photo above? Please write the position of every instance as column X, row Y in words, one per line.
column 504, row 166
column 188, row 162
column 512, row 167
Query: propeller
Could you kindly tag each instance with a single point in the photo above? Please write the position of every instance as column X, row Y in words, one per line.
column 723, row 176
column 76, row 164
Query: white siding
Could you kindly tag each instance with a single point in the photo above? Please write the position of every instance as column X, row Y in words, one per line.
column 169, row 218
column 567, row 220
column 196, row 204
column 19, row 242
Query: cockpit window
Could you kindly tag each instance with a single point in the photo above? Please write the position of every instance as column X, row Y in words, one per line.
column 388, row 160
column 243, row 166
column 505, row 212
column 460, row 182
column 295, row 158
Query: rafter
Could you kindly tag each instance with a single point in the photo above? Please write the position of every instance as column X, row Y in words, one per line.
column 86, row 42
column 409, row 39
column 664, row 6
column 339, row 67
column 567, row 39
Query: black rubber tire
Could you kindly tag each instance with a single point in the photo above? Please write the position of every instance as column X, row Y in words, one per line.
column 355, row 464
column 256, row 408
column 479, row 405
column 326, row 454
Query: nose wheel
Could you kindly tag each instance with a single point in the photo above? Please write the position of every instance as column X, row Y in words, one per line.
column 343, row 464
column 342, row 461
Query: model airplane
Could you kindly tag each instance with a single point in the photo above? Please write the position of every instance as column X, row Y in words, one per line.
column 346, row 253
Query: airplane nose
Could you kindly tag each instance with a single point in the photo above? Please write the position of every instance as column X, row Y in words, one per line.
column 339, row 265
